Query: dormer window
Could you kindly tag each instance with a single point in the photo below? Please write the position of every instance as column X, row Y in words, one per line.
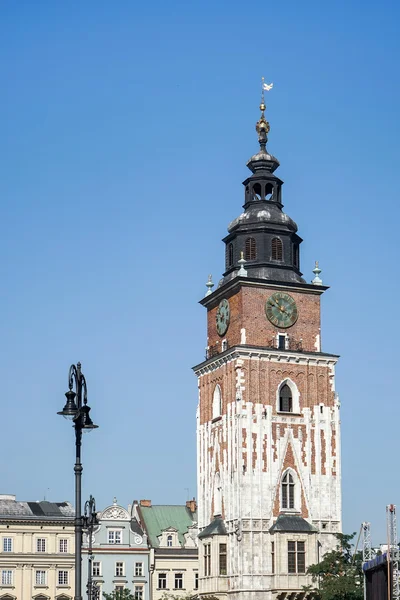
column 169, row 541
column 250, row 249
column 277, row 249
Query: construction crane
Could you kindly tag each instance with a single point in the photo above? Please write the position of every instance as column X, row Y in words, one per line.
column 366, row 538
column 393, row 552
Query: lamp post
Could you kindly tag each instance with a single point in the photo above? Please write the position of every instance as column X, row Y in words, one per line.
column 76, row 408
column 90, row 522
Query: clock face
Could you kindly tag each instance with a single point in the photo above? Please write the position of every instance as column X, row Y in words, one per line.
column 281, row 310
column 223, row 316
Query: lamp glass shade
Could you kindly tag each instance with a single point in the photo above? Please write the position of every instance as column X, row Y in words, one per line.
column 70, row 409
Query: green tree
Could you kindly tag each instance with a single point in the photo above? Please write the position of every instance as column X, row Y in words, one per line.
column 338, row 576
column 167, row 596
column 124, row 594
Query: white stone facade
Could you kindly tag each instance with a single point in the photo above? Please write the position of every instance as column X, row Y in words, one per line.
column 243, row 455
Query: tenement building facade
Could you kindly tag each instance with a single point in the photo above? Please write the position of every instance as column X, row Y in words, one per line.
column 37, row 550
column 120, row 553
column 268, row 428
column 172, row 535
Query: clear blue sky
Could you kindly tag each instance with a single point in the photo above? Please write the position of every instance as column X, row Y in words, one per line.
column 124, row 132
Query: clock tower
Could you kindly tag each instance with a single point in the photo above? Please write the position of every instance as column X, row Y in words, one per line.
column 268, row 425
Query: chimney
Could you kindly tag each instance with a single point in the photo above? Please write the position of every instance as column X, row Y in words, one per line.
column 145, row 503
column 191, row 505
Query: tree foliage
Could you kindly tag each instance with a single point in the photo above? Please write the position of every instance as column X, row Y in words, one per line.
column 124, row 594
column 167, row 596
column 338, row 575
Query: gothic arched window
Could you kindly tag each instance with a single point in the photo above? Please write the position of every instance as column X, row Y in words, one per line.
column 285, row 399
column 296, row 255
column 277, row 249
column 229, row 255
column 288, row 491
column 217, row 402
column 250, row 249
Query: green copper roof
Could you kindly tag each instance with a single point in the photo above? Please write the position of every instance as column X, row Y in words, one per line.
column 159, row 517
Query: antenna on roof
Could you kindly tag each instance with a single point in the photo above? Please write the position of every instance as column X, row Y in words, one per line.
column 188, row 495
column 44, row 495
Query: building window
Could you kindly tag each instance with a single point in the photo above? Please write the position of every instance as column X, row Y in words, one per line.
column 119, row 569
column 296, row 557
column 250, row 249
column 207, row 559
column 285, row 399
column 179, row 581
column 162, row 581
column 63, row 545
column 272, row 557
column 139, row 569
column 62, row 577
column 115, row 536
column 288, row 491
column 229, row 255
column 222, row 559
column 41, row 545
column 96, row 569
column 119, row 590
column 277, row 249
column 7, row 544
column 281, row 341
column 6, row 577
column 196, row 581
column 40, row 578
column 296, row 255
column 138, row 592
column 169, row 541
column 217, row 402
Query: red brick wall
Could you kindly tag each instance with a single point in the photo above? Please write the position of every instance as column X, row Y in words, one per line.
column 248, row 311
column 262, row 379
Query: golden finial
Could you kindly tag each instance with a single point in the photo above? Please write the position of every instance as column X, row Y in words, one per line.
column 262, row 125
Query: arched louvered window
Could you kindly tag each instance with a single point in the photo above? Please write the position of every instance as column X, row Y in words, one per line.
column 250, row 249
column 277, row 249
column 229, row 255
column 285, row 399
column 288, row 491
column 296, row 255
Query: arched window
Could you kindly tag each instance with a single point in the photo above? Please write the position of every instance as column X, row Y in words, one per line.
column 285, row 399
column 250, row 249
column 277, row 249
column 288, row 491
column 296, row 255
column 256, row 191
column 217, row 402
column 229, row 255
column 169, row 541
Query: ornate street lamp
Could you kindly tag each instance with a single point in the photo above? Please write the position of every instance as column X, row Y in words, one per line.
column 90, row 522
column 76, row 408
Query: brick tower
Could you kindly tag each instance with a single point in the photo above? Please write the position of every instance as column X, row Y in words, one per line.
column 268, row 428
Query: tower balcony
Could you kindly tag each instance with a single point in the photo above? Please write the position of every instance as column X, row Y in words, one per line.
column 280, row 342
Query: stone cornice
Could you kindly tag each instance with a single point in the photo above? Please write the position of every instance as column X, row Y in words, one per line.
column 233, row 286
column 267, row 354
